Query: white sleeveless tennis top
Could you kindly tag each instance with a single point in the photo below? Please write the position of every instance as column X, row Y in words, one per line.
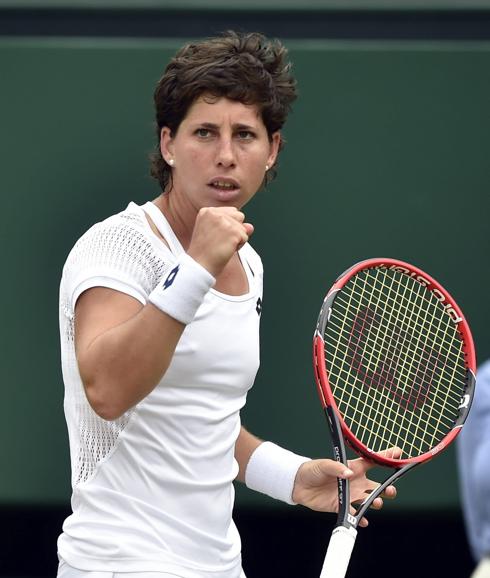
column 152, row 490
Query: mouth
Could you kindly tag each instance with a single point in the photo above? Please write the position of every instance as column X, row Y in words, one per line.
column 226, row 185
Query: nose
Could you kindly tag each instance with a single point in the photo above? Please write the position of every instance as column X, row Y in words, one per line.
column 225, row 153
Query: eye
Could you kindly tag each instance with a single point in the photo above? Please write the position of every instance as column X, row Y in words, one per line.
column 245, row 135
column 203, row 132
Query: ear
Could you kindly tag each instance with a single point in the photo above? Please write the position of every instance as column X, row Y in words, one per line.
column 166, row 143
column 275, row 144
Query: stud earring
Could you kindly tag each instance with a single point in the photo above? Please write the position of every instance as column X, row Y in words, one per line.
column 266, row 167
column 171, row 162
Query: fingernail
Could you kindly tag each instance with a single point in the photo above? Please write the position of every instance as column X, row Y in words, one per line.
column 347, row 472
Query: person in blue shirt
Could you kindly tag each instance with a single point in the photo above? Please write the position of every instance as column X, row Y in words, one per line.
column 474, row 470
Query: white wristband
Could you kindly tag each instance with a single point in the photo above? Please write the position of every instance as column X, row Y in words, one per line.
column 182, row 290
column 272, row 470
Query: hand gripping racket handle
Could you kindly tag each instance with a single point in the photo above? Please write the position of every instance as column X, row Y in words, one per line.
column 338, row 552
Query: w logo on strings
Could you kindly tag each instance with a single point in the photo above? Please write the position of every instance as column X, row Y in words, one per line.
column 409, row 388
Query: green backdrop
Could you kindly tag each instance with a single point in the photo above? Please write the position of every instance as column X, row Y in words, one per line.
column 387, row 155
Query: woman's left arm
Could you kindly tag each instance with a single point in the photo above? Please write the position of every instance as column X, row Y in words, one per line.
column 245, row 446
column 311, row 483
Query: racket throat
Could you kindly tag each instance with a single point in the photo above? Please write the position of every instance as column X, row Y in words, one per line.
column 345, row 518
column 366, row 504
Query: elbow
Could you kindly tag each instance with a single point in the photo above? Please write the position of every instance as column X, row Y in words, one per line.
column 103, row 389
column 104, row 401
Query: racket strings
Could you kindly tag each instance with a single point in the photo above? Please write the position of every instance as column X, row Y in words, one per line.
column 413, row 317
column 403, row 304
column 390, row 379
column 424, row 363
column 432, row 358
column 386, row 369
column 397, row 346
column 397, row 368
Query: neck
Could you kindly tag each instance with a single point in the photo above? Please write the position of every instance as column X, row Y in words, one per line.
column 181, row 219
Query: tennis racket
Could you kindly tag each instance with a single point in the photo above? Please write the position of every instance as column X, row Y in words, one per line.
column 394, row 365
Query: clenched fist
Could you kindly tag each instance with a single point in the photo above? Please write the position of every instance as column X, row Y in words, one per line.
column 218, row 233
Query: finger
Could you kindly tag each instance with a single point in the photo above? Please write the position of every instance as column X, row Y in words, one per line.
column 326, row 468
column 389, row 493
column 364, row 523
column 249, row 229
column 393, row 453
column 234, row 213
column 225, row 212
column 360, row 465
column 376, row 505
column 363, row 465
column 245, row 235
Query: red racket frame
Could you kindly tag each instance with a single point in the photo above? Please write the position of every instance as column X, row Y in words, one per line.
column 325, row 392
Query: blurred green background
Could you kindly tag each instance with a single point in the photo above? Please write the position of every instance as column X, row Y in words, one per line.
column 387, row 155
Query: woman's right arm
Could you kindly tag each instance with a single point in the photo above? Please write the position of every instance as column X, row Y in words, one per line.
column 123, row 348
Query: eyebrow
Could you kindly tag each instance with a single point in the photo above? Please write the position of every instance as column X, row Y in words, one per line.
column 236, row 126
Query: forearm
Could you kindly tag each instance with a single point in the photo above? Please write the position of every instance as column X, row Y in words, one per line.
column 266, row 467
column 245, row 445
column 123, row 364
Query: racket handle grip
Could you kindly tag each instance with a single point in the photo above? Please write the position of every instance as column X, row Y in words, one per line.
column 339, row 552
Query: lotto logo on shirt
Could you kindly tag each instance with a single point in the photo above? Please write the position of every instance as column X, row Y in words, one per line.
column 171, row 277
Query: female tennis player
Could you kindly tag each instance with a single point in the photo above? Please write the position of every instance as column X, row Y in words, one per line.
column 159, row 317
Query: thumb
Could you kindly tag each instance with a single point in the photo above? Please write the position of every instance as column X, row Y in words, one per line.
column 332, row 468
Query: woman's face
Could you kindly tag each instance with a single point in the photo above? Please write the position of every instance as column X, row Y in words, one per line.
column 220, row 153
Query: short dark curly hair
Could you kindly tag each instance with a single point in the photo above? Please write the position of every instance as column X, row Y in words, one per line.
column 246, row 67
